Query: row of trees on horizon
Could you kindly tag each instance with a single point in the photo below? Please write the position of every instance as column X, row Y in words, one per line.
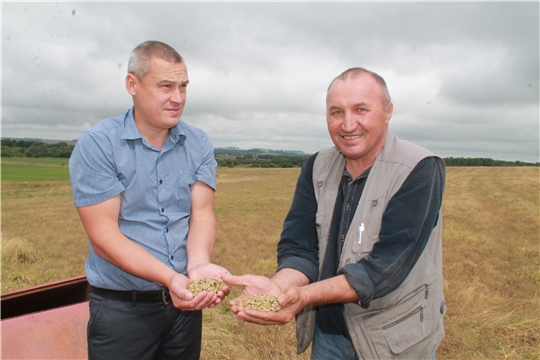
column 38, row 149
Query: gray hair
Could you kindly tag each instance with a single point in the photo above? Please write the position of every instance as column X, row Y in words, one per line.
column 141, row 57
column 355, row 72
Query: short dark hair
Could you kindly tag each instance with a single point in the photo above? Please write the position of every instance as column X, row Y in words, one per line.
column 141, row 57
column 358, row 71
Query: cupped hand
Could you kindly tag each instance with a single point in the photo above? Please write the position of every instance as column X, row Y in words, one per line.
column 253, row 285
column 184, row 299
column 211, row 271
column 291, row 302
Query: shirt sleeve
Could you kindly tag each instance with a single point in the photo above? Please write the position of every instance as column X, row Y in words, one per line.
column 406, row 227
column 298, row 246
column 206, row 172
column 92, row 171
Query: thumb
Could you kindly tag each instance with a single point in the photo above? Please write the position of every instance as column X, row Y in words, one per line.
column 283, row 300
column 288, row 297
column 183, row 294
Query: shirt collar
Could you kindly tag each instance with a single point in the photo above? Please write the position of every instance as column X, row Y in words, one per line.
column 361, row 176
column 177, row 133
column 131, row 132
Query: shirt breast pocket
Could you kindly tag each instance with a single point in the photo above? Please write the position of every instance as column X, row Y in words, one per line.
column 183, row 192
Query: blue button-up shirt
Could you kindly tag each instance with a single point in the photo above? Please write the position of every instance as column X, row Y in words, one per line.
column 113, row 158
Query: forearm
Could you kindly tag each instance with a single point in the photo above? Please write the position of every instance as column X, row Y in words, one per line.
column 329, row 291
column 201, row 240
column 286, row 278
column 101, row 224
column 296, row 297
column 202, row 226
column 298, row 245
column 135, row 260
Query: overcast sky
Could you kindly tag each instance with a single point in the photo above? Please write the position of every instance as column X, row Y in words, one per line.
column 463, row 76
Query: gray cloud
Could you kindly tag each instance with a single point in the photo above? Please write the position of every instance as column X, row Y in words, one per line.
column 464, row 77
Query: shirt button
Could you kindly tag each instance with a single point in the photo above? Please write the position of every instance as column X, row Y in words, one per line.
column 160, row 181
column 172, row 257
column 162, row 210
column 342, row 237
column 166, row 229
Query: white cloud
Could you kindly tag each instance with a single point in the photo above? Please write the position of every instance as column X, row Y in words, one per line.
column 463, row 76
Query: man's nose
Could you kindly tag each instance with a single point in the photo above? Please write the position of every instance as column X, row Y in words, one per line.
column 349, row 123
column 178, row 96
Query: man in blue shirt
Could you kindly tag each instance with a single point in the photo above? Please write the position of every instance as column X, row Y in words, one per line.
column 143, row 184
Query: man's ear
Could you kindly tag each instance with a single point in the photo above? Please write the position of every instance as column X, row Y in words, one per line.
column 131, row 84
column 389, row 111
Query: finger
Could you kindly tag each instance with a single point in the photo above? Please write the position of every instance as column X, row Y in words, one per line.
column 236, row 301
column 223, row 292
column 226, row 291
column 185, row 294
column 237, row 308
column 233, row 280
column 207, row 299
column 262, row 319
column 268, row 317
column 199, row 302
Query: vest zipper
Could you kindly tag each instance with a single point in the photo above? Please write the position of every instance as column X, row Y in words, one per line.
column 414, row 293
column 419, row 309
column 417, row 291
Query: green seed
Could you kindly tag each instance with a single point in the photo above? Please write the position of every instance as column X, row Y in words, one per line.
column 210, row 285
column 265, row 302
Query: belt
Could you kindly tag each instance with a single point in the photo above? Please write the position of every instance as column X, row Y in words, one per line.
column 134, row 296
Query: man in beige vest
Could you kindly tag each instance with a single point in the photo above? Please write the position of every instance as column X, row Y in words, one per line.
column 360, row 255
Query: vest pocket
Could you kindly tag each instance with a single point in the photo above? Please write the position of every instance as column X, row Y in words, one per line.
column 399, row 328
column 364, row 240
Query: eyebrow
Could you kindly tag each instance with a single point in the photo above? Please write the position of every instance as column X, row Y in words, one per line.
column 333, row 107
column 361, row 103
column 166, row 81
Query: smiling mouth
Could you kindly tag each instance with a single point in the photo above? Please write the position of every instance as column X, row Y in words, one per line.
column 352, row 137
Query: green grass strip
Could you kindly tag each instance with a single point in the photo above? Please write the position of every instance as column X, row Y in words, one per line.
column 33, row 173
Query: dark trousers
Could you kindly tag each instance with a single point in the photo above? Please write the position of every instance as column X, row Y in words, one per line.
column 123, row 330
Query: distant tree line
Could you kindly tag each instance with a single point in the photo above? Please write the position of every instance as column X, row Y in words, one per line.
column 225, row 158
column 35, row 149
column 262, row 161
column 266, row 161
column 452, row 161
column 256, row 152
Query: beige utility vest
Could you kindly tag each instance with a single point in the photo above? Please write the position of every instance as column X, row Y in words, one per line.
column 408, row 322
